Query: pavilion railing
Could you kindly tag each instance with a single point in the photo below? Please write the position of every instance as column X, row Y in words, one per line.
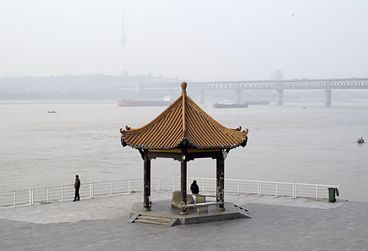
column 207, row 186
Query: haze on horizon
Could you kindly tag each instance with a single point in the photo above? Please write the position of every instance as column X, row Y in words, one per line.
column 193, row 40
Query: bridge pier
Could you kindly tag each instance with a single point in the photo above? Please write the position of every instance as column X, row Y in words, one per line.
column 280, row 98
column 328, row 96
column 137, row 89
column 202, row 97
column 238, row 95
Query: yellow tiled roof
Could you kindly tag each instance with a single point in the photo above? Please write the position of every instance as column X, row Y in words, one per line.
column 183, row 122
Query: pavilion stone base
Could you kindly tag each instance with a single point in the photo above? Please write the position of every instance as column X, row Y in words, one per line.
column 161, row 213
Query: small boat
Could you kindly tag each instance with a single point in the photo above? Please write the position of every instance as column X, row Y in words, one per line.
column 52, row 111
column 360, row 140
column 242, row 105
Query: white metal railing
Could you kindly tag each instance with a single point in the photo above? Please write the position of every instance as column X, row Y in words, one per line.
column 207, row 185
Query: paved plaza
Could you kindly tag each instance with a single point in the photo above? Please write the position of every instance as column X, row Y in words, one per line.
column 101, row 223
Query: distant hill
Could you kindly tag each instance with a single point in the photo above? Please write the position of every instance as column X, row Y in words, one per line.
column 94, row 86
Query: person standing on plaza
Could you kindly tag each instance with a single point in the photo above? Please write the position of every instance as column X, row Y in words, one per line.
column 76, row 187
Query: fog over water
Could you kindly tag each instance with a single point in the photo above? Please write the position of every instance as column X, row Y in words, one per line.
column 311, row 144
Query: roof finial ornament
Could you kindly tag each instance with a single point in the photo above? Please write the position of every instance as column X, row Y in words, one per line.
column 184, row 87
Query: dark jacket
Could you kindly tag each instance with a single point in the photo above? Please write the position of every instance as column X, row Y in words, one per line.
column 77, row 183
column 194, row 188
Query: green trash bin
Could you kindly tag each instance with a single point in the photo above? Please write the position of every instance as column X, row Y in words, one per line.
column 332, row 192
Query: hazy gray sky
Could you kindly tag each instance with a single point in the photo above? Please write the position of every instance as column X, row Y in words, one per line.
column 192, row 39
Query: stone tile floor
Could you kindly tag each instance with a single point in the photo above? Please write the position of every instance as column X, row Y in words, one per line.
column 277, row 224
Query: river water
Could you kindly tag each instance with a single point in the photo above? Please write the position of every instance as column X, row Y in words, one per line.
column 292, row 143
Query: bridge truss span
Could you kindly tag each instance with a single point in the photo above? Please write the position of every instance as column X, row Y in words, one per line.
column 352, row 83
column 276, row 85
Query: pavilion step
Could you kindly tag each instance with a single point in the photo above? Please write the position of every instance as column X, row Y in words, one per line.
column 162, row 220
column 243, row 211
column 150, row 222
column 153, row 219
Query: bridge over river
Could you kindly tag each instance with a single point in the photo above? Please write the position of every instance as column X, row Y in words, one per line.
column 277, row 85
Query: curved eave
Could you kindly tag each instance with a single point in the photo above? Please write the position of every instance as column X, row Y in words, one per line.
column 190, row 145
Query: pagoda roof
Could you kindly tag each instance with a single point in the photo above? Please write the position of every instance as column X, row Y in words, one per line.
column 183, row 125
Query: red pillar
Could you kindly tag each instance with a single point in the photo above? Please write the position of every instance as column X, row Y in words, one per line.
column 183, row 185
column 220, row 181
column 147, row 182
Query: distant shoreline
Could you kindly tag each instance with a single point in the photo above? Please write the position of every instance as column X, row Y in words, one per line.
column 360, row 103
column 56, row 101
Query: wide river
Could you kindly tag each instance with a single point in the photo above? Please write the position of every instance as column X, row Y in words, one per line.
column 292, row 143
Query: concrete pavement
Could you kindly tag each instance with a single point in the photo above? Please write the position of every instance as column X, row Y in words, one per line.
column 277, row 224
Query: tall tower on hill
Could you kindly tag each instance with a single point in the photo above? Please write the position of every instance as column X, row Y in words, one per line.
column 123, row 43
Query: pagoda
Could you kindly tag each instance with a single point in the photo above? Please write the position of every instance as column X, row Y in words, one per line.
column 184, row 132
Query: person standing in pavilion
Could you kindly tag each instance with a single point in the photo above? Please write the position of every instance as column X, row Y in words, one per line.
column 194, row 187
